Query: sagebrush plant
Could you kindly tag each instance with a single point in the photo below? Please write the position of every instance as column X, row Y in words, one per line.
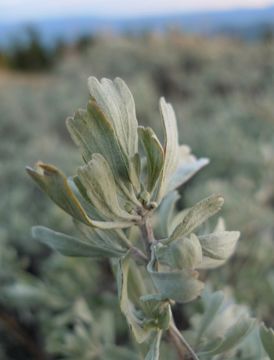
column 122, row 201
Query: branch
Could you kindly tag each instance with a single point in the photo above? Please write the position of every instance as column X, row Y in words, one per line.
column 181, row 343
column 139, row 255
column 177, row 338
column 180, row 349
column 147, row 234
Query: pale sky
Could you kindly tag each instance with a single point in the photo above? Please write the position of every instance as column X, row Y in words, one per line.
column 37, row 9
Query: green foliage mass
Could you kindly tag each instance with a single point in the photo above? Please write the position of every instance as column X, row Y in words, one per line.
column 29, row 54
column 223, row 93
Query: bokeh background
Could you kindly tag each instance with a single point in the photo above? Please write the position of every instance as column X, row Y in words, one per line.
column 214, row 61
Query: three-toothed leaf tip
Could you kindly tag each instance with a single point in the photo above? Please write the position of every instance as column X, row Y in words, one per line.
column 54, row 183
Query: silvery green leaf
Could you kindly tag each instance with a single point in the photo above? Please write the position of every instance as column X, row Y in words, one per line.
column 154, row 350
column 136, row 160
column 55, row 184
column 252, row 348
column 187, row 252
column 209, row 263
column 165, row 213
column 136, row 281
column 93, row 133
column 196, row 215
column 98, row 180
column 154, row 155
column 205, row 349
column 218, row 247
column 181, row 286
column 188, row 165
column 223, row 320
column 179, row 165
column 184, row 253
column 116, row 102
column 81, row 194
column 212, row 307
column 176, row 220
column 234, row 335
column 267, row 338
column 71, row 246
column 163, row 254
column 108, row 239
column 126, row 305
column 179, row 217
column 171, row 147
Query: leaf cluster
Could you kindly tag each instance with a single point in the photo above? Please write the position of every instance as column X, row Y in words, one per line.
column 118, row 190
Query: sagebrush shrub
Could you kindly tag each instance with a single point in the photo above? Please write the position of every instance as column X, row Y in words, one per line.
column 120, row 199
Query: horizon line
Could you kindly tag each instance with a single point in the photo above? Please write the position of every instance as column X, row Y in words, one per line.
column 132, row 16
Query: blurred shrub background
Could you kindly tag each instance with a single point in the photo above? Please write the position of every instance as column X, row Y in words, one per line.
column 222, row 90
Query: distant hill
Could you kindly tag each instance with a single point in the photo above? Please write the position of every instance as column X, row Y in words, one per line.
column 243, row 22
